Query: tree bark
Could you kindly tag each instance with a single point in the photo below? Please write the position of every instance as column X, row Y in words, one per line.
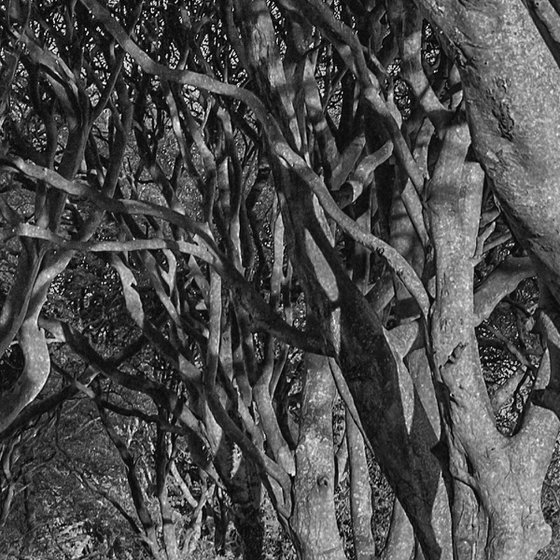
column 314, row 519
column 391, row 413
column 496, row 485
column 360, row 492
column 511, row 83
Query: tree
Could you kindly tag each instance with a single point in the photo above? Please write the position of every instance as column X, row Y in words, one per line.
column 343, row 189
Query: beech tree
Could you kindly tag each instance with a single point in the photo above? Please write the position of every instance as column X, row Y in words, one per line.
column 340, row 194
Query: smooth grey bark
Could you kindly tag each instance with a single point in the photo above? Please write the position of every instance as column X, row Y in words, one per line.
column 504, row 125
column 361, row 506
column 314, row 517
column 382, row 391
column 511, row 83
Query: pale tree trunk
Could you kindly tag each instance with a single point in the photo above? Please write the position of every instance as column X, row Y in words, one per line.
column 455, row 198
column 314, row 519
column 360, row 492
column 496, row 510
column 511, row 86
column 426, row 424
column 337, row 307
column 496, row 482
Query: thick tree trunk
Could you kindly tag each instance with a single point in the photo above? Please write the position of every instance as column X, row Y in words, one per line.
column 496, row 481
column 511, row 86
column 511, row 83
column 360, row 492
column 314, row 519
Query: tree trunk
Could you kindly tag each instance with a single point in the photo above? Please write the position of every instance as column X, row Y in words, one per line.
column 511, row 86
column 360, row 492
column 314, row 519
column 496, row 481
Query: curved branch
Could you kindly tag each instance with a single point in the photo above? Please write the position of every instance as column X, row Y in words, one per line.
column 397, row 262
column 499, row 283
column 185, row 77
column 281, row 148
column 262, row 316
column 33, row 377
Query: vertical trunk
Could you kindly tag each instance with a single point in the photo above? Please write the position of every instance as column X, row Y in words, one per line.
column 454, row 198
column 496, row 482
column 314, row 520
column 388, row 406
column 360, row 492
column 511, row 85
column 161, row 461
